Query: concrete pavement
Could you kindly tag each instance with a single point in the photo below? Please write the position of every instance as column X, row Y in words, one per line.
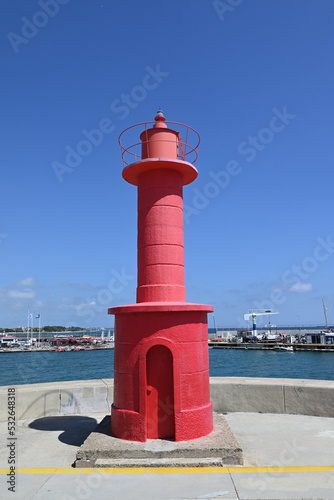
column 286, row 457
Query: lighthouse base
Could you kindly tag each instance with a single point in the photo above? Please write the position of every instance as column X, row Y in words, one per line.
column 161, row 372
column 102, row 449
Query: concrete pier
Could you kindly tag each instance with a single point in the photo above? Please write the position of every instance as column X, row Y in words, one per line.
column 285, row 457
column 288, row 449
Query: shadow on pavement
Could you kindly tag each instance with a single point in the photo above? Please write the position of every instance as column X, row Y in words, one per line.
column 75, row 428
column 104, row 426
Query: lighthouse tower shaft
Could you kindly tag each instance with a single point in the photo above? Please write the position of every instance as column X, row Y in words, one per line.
column 161, row 376
column 160, row 176
column 160, row 237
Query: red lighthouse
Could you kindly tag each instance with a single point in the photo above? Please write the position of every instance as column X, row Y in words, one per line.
column 161, row 380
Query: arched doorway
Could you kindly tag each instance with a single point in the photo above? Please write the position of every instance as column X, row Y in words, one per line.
column 160, row 393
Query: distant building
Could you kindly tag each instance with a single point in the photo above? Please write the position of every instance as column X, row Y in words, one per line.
column 320, row 338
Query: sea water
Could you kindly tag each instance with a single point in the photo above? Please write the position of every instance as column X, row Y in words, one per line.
column 37, row 367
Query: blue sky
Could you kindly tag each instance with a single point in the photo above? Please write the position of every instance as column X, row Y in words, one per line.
column 253, row 77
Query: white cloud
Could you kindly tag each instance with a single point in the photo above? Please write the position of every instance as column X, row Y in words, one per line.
column 73, row 304
column 21, row 294
column 86, row 306
column 27, row 282
column 80, row 286
column 301, row 287
column 20, row 290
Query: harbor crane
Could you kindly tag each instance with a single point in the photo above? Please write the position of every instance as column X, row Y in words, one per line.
column 253, row 313
column 325, row 309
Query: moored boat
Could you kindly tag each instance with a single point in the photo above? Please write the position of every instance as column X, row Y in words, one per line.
column 288, row 348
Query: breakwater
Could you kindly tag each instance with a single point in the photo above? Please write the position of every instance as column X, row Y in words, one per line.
column 228, row 395
column 270, row 346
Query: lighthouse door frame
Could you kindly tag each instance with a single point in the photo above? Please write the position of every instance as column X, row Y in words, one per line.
column 173, row 349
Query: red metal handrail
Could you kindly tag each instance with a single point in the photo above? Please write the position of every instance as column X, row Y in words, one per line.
column 187, row 152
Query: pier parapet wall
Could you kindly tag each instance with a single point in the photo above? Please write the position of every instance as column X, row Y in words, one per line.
column 228, row 395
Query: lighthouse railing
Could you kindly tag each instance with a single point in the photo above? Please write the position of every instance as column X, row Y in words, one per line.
column 131, row 148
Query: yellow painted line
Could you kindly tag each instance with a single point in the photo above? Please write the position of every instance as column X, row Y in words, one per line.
column 119, row 470
column 170, row 470
column 267, row 470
